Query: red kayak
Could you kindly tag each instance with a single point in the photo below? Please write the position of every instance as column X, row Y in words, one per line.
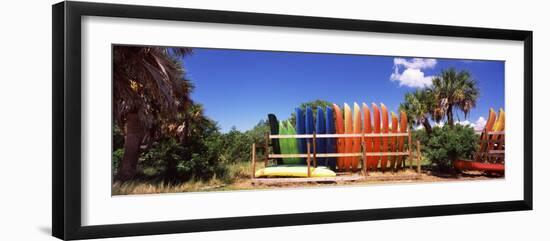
column 478, row 166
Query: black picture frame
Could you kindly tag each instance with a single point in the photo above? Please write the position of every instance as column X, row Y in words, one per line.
column 66, row 127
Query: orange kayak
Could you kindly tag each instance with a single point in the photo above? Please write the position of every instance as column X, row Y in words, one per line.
column 488, row 127
column 393, row 140
column 479, row 166
column 356, row 130
column 367, row 129
column 348, row 129
column 340, row 147
column 499, row 126
column 403, row 129
column 376, row 129
column 385, row 140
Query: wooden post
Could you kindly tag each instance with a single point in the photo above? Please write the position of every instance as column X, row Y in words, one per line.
column 308, row 160
column 410, row 148
column 314, row 150
column 364, row 156
column 266, row 149
column 418, row 157
column 253, row 174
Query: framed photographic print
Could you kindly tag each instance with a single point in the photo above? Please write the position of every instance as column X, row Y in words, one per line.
column 169, row 120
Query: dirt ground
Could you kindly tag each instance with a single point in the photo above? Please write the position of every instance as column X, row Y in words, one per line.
column 374, row 178
column 243, row 182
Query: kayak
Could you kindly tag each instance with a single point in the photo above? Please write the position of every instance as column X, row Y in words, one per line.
column 309, row 128
column 376, row 129
column 367, row 129
column 393, row 140
column 283, row 142
column 294, row 171
column 331, row 142
column 274, row 130
column 488, row 127
column 348, row 129
column 403, row 128
column 292, row 144
column 499, row 126
column 301, row 129
column 320, row 143
column 385, row 129
column 356, row 130
column 340, row 147
column 478, row 166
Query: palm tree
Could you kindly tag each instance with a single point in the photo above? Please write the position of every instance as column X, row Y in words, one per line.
column 454, row 91
column 149, row 90
column 419, row 105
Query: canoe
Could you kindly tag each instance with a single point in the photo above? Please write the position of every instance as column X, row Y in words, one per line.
column 348, row 129
column 393, row 140
column 356, row 130
column 294, row 171
column 479, row 166
column 385, row 129
column 367, row 129
column 301, row 129
column 331, row 142
column 320, row 143
column 274, row 130
column 403, row 128
column 376, row 129
column 310, row 128
column 292, row 144
column 340, row 147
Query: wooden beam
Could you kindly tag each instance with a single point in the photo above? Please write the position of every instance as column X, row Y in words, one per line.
column 266, row 149
column 323, row 155
column 314, row 150
column 418, row 156
column 302, row 136
column 253, row 174
column 308, row 160
column 410, row 148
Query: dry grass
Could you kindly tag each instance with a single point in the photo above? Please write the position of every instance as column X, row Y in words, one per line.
column 235, row 173
column 238, row 178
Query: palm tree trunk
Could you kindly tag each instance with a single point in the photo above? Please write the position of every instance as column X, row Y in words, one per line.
column 132, row 142
column 450, row 119
column 427, row 126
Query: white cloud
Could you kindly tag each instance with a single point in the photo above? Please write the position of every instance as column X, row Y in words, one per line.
column 412, row 76
column 480, row 124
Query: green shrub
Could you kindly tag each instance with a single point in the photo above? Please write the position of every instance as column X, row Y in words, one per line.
column 174, row 161
column 446, row 144
column 116, row 159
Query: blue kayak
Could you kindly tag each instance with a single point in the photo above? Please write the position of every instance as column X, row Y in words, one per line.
column 309, row 126
column 331, row 142
column 321, row 143
column 300, row 130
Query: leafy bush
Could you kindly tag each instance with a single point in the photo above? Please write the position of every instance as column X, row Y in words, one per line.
column 116, row 159
column 176, row 162
column 446, row 144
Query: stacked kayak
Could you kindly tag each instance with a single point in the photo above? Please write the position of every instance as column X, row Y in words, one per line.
column 335, row 119
column 484, row 162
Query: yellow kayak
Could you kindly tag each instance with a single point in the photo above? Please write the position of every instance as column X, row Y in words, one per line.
column 294, row 171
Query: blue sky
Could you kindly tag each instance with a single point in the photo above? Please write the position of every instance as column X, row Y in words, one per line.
column 240, row 87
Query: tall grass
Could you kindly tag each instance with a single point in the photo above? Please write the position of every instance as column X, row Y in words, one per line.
column 236, row 172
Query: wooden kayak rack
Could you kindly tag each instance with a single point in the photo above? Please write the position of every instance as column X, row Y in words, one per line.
column 412, row 150
column 491, row 147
